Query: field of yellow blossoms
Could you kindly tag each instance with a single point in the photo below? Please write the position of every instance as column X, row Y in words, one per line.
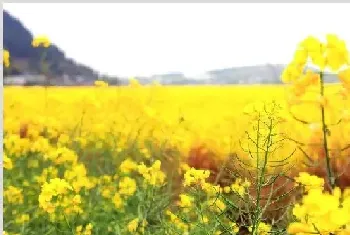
column 182, row 159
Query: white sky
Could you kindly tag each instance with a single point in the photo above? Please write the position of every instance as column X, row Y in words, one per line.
column 144, row 39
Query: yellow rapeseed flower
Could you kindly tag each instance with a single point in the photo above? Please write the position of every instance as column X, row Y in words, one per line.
column 185, row 201
column 7, row 162
column 205, row 219
column 41, row 40
column 344, row 77
column 337, row 54
column 117, row 201
column 321, row 212
column 127, row 186
column 13, row 195
column 127, row 166
column 177, row 222
column 6, row 58
column 234, row 227
column 216, row 205
column 56, row 187
column 23, row 218
column 80, row 230
column 309, row 181
column 195, row 177
column 262, row 229
column 132, row 225
column 153, row 174
column 300, row 228
column 239, row 187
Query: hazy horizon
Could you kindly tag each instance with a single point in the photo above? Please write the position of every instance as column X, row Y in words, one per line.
column 132, row 39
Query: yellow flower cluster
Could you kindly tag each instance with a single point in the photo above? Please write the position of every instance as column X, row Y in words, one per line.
column 77, row 177
column 13, row 195
column 233, row 227
column 106, row 186
column 80, row 230
column 321, row 212
column 310, row 93
column 195, row 177
column 8, row 165
column 57, row 193
column 47, row 174
column 119, row 190
column 41, row 40
column 185, row 201
column 17, row 146
column 216, row 205
column 153, row 175
column 6, row 58
column 262, row 229
column 62, row 155
column 177, row 222
column 240, row 186
column 309, row 181
column 117, row 201
column 23, row 218
column 127, row 186
column 211, row 190
column 128, row 166
column 344, row 77
column 136, row 225
column 331, row 54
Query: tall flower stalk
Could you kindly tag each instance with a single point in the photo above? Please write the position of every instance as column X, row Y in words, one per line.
column 43, row 41
column 329, row 55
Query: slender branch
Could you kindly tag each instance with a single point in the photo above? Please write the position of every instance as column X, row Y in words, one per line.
column 346, row 147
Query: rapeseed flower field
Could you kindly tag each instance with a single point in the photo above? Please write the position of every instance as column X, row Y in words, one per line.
column 182, row 160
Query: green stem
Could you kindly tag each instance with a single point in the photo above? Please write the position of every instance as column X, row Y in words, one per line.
column 67, row 222
column 261, row 175
column 330, row 176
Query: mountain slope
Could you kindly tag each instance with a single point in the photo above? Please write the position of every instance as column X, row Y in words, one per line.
column 25, row 59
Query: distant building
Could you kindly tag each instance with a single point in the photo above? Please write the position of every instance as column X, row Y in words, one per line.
column 24, row 79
